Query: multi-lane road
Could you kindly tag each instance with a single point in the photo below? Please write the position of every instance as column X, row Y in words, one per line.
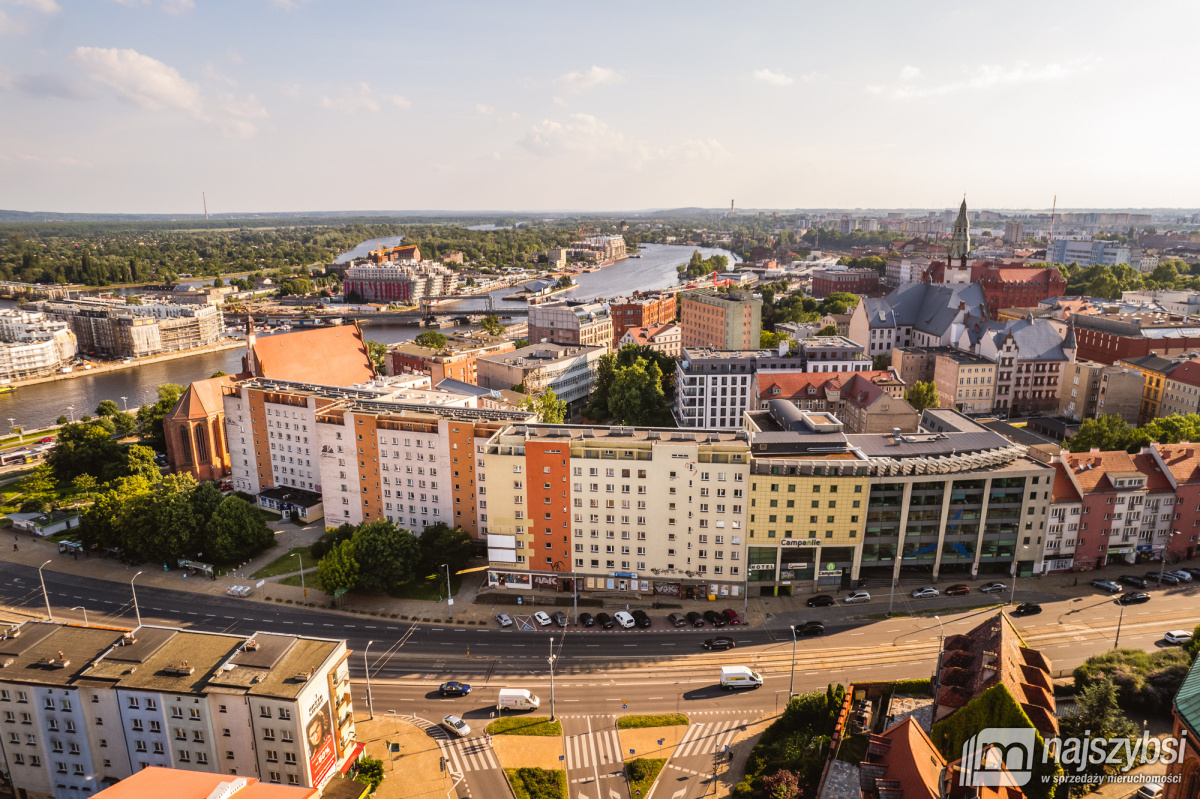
column 601, row 674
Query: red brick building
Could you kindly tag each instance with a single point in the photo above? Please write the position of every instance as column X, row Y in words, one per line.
column 1181, row 465
column 1108, row 338
column 841, row 278
column 456, row 361
column 645, row 311
column 1009, row 286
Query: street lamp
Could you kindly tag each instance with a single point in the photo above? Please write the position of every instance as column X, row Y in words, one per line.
column 46, row 596
column 71, row 408
column 1121, row 618
column 367, row 666
column 125, row 403
column 302, row 586
column 1015, row 570
column 792, row 680
column 941, row 649
column 135, row 604
column 1167, row 548
column 81, row 607
column 449, row 599
column 553, row 657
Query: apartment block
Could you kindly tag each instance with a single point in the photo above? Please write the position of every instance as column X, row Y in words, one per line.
column 666, row 339
column 32, row 345
column 630, row 510
column 114, row 329
column 1090, row 390
column 1062, row 533
column 720, row 321
column 579, row 324
column 455, row 361
column 965, row 382
column 1181, row 391
column 641, row 311
column 1155, row 371
column 399, row 280
column 570, row 371
column 1031, row 356
column 844, row 279
column 714, row 388
column 87, row 706
column 865, row 402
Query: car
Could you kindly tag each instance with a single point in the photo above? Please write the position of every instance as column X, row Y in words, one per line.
column 856, row 596
column 820, row 601
column 46, row 440
column 1105, row 585
column 810, row 628
column 922, row 593
column 958, row 590
column 1027, row 609
column 714, row 618
column 1178, row 637
column 1133, row 598
column 604, row 620
column 587, row 620
column 1150, row 790
column 1129, row 579
column 677, row 619
column 454, row 688
column 1165, row 578
column 1183, row 575
column 732, row 616
column 992, row 588
column 559, row 617
column 1193, row 572
column 642, row 620
column 503, row 620
column 542, row 618
column 695, row 619
column 456, row 726
column 624, row 619
column 720, row 642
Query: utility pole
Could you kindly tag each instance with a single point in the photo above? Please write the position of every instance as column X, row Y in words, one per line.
column 553, row 657
column 1121, row 618
column 134, row 590
column 575, row 596
column 367, row 666
column 792, row 680
column 46, row 596
column 124, row 401
column 302, row 586
column 449, row 599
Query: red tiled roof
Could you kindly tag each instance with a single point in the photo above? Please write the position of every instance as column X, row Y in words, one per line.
column 1064, row 489
column 795, row 385
column 910, row 759
column 1091, row 469
column 1156, row 480
column 201, row 400
column 184, row 784
column 1183, row 460
column 331, row 356
column 1187, row 373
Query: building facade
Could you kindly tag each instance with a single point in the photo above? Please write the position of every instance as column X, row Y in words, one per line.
column 579, row 324
column 455, row 361
column 1031, row 357
column 666, row 339
column 965, row 382
column 1181, row 390
column 720, row 321
column 115, row 329
column 844, row 279
column 1090, row 390
column 32, row 345
column 714, row 388
column 641, row 311
column 570, row 371
column 398, row 280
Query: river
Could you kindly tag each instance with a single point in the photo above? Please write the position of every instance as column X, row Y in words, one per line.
column 39, row 405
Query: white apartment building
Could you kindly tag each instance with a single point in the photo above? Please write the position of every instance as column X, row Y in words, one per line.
column 713, row 388
column 81, row 707
column 32, row 345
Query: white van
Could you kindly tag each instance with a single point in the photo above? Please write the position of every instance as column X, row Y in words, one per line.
column 624, row 619
column 517, row 699
column 740, row 677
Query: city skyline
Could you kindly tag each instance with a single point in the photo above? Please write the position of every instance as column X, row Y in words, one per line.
column 287, row 105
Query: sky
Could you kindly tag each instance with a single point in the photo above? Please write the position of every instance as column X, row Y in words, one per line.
column 139, row 106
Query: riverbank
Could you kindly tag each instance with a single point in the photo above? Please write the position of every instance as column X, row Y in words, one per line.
column 113, row 367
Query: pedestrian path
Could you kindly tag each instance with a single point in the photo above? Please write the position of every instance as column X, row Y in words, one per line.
column 599, row 747
column 462, row 754
column 709, row 738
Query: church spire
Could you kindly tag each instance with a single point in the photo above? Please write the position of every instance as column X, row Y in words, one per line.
column 960, row 242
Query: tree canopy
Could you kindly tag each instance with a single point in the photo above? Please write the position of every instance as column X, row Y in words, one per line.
column 636, row 396
column 921, row 396
column 431, row 339
column 547, row 406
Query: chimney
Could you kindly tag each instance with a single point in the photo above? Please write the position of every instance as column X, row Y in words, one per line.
column 962, row 306
column 895, row 435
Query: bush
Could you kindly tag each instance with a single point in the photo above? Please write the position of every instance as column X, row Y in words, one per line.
column 641, row 774
column 537, row 783
column 1146, row 681
column 798, row 742
column 525, row 725
column 661, row 720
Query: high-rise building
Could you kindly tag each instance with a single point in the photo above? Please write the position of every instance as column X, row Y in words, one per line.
column 580, row 324
column 644, row 311
column 720, row 321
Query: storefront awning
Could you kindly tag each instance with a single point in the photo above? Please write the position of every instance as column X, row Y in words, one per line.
column 352, row 758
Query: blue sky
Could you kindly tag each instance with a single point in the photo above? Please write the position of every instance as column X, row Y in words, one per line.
column 290, row 105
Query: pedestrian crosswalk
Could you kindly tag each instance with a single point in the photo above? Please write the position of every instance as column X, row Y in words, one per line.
column 462, row 754
column 599, row 747
column 707, row 739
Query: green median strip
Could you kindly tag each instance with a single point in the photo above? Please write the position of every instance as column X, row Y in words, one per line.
column 642, row 773
column 632, row 721
column 537, row 783
column 525, row 725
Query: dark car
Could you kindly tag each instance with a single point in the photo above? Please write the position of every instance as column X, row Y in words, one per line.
column 992, row 588
column 714, row 618
column 1133, row 598
column 957, row 590
column 587, row 620
column 1162, row 579
column 559, row 617
column 1106, row 585
column 1129, row 579
column 641, row 619
column 454, row 688
column 695, row 619
column 820, row 601
column 677, row 619
column 810, row 628
column 1193, row 572
column 604, row 620
column 1028, row 609
column 721, row 642
column 732, row 616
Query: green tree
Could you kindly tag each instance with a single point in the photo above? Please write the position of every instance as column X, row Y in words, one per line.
column 86, row 449
column 1097, row 715
column 388, row 556
column 41, row 480
column 205, row 500
column 441, row 543
column 139, row 461
column 85, row 484
column 150, row 417
column 370, row 773
column 597, row 407
column 922, row 396
column 338, row 569
column 431, row 339
column 1105, row 286
column 174, row 516
column 107, row 408
column 636, row 397
column 547, row 406
column 218, row 283
column 1107, row 433
column 124, row 424
column 378, row 353
column 219, row 373
column 236, row 531
column 62, row 419
column 769, row 339
column 828, row 330
column 882, row 362
column 491, row 323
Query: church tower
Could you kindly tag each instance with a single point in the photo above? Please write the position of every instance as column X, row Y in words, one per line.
column 960, row 242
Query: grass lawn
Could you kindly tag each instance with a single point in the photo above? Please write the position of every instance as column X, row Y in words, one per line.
column 661, row 720
column 286, row 563
column 428, row 590
column 525, row 725
column 642, row 773
column 537, row 783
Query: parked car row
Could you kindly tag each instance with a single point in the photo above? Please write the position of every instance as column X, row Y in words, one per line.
column 630, row 619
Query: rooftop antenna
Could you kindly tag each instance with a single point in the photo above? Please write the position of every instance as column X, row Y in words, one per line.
column 205, row 199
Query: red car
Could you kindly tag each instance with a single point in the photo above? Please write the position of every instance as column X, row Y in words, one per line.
column 957, row 590
column 45, row 440
column 731, row 616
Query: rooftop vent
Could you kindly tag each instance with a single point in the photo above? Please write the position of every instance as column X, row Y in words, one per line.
column 184, row 669
column 251, row 646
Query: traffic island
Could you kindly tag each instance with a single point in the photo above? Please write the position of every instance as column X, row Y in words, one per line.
column 652, row 742
column 527, row 741
column 412, row 764
column 537, row 783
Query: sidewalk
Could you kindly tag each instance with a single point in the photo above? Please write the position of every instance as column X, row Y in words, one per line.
column 412, row 772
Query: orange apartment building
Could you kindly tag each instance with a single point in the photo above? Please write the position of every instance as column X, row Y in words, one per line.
column 731, row 321
column 641, row 311
column 455, row 361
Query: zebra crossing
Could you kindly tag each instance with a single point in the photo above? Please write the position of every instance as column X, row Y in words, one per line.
column 599, row 747
column 462, row 754
column 709, row 738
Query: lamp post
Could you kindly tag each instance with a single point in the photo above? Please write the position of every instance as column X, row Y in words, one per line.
column 11, row 424
column 125, row 403
column 1121, row 618
column 553, row 657
column 941, row 649
column 367, row 666
column 1166, row 548
column 45, row 596
column 792, row 679
column 1015, row 570
column 135, row 604
column 746, row 600
column 81, row 607
column 71, row 408
column 302, row 585
column 575, row 595
column 449, row 599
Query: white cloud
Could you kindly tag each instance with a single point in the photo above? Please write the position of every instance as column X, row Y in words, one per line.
column 233, row 55
column 985, row 76
column 44, row 6
column 10, row 26
column 400, row 101
column 150, row 84
column 583, row 136
column 575, row 82
column 353, row 100
column 178, row 6
column 485, row 110
column 773, row 78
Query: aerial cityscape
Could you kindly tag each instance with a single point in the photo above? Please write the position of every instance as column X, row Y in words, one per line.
column 800, row 419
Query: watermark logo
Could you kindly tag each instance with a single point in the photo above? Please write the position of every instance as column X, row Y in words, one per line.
column 999, row 757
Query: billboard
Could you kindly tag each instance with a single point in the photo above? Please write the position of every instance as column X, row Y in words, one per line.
column 319, row 738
